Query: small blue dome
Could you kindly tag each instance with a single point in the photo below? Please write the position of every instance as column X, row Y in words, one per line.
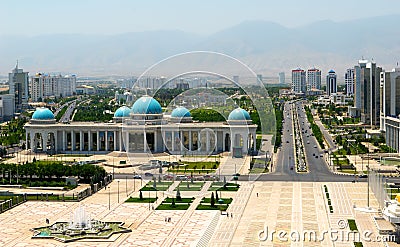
column 239, row 114
column 180, row 112
column 42, row 113
column 123, row 111
column 146, row 105
column 331, row 71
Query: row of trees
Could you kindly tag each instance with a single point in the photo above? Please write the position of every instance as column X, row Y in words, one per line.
column 95, row 110
column 279, row 124
column 315, row 129
column 13, row 132
column 52, row 170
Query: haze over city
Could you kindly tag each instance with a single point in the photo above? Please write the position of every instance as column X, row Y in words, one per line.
column 125, row 37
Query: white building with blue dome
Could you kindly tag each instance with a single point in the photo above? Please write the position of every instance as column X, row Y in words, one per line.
column 143, row 128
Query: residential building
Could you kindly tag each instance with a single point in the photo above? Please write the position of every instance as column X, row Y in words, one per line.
column 85, row 89
column 390, row 107
column 44, row 86
column 18, row 83
column 281, row 78
column 299, row 81
column 7, row 107
column 349, row 81
column 367, row 92
column 331, row 84
column 334, row 98
column 313, row 79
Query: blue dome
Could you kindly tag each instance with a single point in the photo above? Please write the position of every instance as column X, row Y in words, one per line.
column 180, row 112
column 42, row 113
column 146, row 105
column 123, row 111
column 331, row 71
column 239, row 114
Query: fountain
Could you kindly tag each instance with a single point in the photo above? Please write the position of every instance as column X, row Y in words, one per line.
column 80, row 226
column 80, row 220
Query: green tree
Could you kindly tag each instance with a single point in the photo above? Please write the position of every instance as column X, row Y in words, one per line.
column 212, row 200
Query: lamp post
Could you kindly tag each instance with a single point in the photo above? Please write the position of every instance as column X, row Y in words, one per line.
column 118, row 190
column 109, row 197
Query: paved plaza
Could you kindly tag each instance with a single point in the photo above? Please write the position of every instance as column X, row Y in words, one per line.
column 286, row 206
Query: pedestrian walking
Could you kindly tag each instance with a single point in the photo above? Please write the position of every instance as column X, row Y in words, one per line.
column 257, row 194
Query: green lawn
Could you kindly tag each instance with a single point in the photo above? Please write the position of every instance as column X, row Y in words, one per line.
column 258, row 170
column 144, row 200
column 184, row 200
column 223, row 207
column 163, row 186
column 177, row 206
column 195, row 186
column 352, row 225
column 219, row 186
column 226, row 200
column 200, row 167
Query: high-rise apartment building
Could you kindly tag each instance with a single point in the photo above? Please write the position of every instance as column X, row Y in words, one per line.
column 349, row 81
column 331, row 82
column 282, row 78
column 389, row 95
column 44, row 86
column 299, row 81
column 18, row 86
column 313, row 79
column 367, row 91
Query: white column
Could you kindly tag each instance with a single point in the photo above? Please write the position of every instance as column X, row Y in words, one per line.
column 81, row 135
column 155, row 141
column 33, row 144
column 55, row 141
column 106, row 139
column 90, row 141
column 26, row 140
column 181, row 140
column 98, row 140
column 73, row 141
column 64, row 140
column 115, row 140
column 144, row 142
column 173, row 140
column 44, row 141
column 127, row 142
column 163, row 141
column 207, row 141
column 198, row 140
column 190, row 141
column 232, row 135
column 223, row 141
column 120, row 140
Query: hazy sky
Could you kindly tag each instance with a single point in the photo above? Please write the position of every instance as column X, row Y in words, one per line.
column 34, row 17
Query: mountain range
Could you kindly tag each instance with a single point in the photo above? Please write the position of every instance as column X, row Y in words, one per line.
column 266, row 47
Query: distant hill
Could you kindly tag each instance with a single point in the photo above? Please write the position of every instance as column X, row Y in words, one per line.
column 265, row 46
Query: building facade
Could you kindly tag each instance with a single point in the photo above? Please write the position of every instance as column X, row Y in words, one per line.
column 299, row 81
column 281, row 77
column 349, row 81
column 7, row 105
column 390, row 107
column 44, row 86
column 313, row 79
column 331, row 83
column 18, row 86
column 143, row 128
column 367, row 92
